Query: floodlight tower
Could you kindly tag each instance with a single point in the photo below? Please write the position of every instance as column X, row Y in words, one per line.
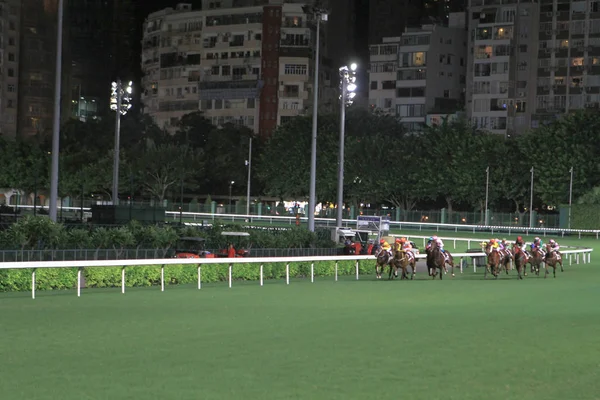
column 120, row 102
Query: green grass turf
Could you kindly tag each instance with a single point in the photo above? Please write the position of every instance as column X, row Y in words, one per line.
column 461, row 338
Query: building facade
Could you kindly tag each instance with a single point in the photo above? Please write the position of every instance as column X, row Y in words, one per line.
column 502, row 66
column 568, row 64
column 421, row 72
column 10, row 27
column 250, row 66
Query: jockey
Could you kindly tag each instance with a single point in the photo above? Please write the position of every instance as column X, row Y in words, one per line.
column 429, row 242
column 407, row 247
column 385, row 246
column 521, row 243
column 397, row 245
column 554, row 247
column 439, row 243
column 494, row 245
column 539, row 245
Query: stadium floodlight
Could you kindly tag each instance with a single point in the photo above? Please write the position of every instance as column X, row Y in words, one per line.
column 120, row 102
column 347, row 93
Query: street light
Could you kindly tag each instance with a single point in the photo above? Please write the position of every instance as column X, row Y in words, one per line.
column 120, row 99
column 487, row 191
column 56, row 122
column 570, row 195
column 347, row 93
column 531, row 202
column 230, row 187
column 318, row 14
column 249, row 165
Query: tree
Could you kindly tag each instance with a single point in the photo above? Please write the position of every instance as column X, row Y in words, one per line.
column 284, row 165
column 453, row 164
column 163, row 167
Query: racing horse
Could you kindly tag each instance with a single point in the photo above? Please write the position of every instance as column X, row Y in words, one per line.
column 521, row 260
column 493, row 261
column 506, row 260
column 435, row 260
column 552, row 258
column 402, row 259
column 383, row 259
column 536, row 260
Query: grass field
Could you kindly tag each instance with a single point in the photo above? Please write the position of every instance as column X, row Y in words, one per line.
column 461, row 338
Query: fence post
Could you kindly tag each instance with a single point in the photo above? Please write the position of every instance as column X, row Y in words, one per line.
column 287, row 274
column 261, row 274
column 199, row 277
column 312, row 272
column 162, row 278
column 230, row 268
column 357, row 266
column 33, row 284
column 336, row 271
column 79, row 282
column 123, row 280
column 474, row 264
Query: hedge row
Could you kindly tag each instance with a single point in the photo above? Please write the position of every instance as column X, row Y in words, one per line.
column 66, row 278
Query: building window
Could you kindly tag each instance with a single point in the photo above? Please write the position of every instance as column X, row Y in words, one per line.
column 10, row 88
column 214, row 70
column 387, row 103
column 11, row 41
column 226, row 70
column 295, row 69
column 373, row 85
column 386, row 85
column 447, row 93
column 11, row 72
column 251, row 103
column 218, row 104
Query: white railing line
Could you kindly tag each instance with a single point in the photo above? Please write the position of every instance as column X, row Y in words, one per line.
column 230, row 261
column 205, row 261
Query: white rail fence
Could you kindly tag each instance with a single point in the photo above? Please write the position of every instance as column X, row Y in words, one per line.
column 330, row 222
column 209, row 261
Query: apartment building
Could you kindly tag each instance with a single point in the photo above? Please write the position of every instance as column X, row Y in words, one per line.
column 568, row 68
column 248, row 65
column 502, row 67
column 421, row 72
column 9, row 66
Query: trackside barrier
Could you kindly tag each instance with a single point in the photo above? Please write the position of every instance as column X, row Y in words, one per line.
column 331, row 222
column 208, row 261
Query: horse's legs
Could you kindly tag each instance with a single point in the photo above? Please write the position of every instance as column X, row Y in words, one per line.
column 561, row 266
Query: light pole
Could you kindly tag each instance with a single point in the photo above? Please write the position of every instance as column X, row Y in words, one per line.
column 487, row 191
column 56, row 122
column 347, row 93
column 319, row 14
column 570, row 196
column 531, row 202
column 120, row 103
column 249, row 165
column 230, row 187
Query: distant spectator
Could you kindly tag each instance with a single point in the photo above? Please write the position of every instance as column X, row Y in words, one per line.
column 231, row 251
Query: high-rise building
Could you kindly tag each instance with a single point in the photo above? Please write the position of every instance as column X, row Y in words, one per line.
column 420, row 72
column 251, row 66
column 10, row 26
column 568, row 59
column 502, row 68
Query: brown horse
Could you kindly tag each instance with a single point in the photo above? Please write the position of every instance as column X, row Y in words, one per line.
column 435, row 260
column 506, row 260
column 383, row 259
column 493, row 261
column 449, row 261
column 521, row 260
column 536, row 260
column 552, row 258
column 402, row 259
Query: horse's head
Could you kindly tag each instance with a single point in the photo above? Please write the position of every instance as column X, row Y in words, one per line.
column 548, row 247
